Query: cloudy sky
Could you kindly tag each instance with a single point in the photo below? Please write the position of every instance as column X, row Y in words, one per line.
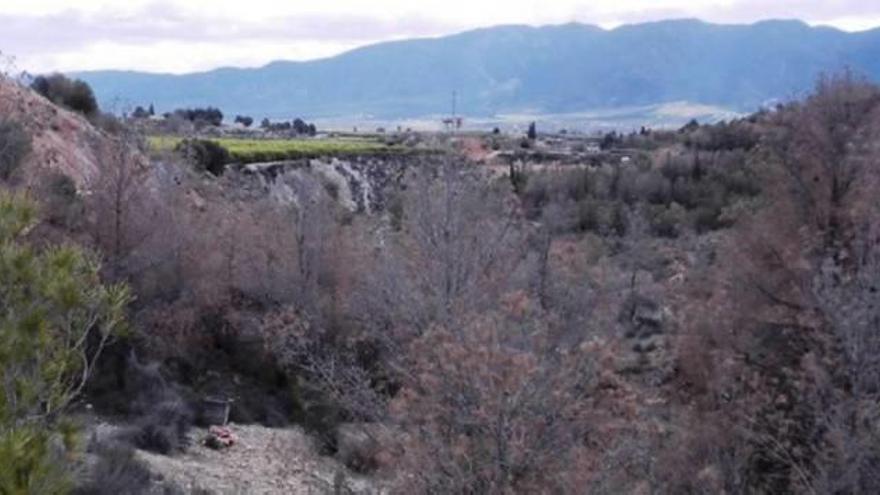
column 190, row 35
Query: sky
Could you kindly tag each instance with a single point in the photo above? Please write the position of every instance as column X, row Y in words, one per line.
column 192, row 35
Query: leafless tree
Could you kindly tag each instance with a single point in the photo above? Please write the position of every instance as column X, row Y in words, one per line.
column 820, row 145
column 459, row 243
column 803, row 271
column 468, row 399
column 122, row 203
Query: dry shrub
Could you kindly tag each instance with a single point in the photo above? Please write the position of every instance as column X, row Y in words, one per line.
column 780, row 375
column 116, row 470
column 487, row 408
column 493, row 408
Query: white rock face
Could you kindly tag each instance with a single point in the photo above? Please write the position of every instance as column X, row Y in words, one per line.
column 359, row 185
column 341, row 175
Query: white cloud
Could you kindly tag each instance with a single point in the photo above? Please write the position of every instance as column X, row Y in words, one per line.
column 186, row 35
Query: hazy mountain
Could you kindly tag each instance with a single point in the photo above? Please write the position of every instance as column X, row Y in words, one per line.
column 508, row 69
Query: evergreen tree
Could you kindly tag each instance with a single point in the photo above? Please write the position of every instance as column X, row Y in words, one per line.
column 55, row 318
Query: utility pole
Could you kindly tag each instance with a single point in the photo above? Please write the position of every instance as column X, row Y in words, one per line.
column 454, row 98
column 456, row 120
column 453, row 122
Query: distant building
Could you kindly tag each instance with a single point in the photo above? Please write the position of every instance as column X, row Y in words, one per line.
column 452, row 123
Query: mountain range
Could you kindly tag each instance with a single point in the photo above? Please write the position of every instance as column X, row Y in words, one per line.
column 556, row 69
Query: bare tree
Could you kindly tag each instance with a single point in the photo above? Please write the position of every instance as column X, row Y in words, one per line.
column 459, row 243
column 820, row 146
column 491, row 408
column 800, row 305
column 464, row 395
column 122, row 202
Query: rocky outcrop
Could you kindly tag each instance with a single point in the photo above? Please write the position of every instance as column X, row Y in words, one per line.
column 359, row 184
column 644, row 322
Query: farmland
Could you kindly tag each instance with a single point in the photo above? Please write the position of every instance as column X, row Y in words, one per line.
column 250, row 150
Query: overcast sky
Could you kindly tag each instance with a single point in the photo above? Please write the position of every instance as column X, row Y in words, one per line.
column 191, row 35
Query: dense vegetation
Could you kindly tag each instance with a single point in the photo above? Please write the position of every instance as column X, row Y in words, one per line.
column 199, row 116
column 71, row 93
column 692, row 311
column 204, row 155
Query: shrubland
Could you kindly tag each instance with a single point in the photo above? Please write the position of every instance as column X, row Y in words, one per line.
column 698, row 318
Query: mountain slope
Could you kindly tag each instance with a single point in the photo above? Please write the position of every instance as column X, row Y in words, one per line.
column 551, row 69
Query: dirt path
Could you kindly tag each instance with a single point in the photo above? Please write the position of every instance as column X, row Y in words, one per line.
column 263, row 461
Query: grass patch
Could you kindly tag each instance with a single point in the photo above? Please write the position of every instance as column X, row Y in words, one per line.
column 266, row 150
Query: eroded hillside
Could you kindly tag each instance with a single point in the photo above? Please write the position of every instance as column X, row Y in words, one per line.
column 62, row 140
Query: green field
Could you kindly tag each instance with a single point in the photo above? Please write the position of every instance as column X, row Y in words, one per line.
column 246, row 150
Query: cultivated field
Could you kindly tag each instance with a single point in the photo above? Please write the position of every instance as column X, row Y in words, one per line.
column 250, row 150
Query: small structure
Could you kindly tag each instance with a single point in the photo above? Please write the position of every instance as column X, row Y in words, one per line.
column 452, row 123
column 215, row 411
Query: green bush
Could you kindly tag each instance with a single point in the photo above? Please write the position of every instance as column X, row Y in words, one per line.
column 205, row 155
column 686, row 193
column 29, row 465
column 652, row 187
column 55, row 317
column 675, row 167
column 588, row 216
column 580, row 184
column 15, row 144
column 709, row 218
column 680, row 193
column 666, row 222
column 71, row 93
column 736, row 177
column 62, row 205
column 536, row 194
column 619, row 222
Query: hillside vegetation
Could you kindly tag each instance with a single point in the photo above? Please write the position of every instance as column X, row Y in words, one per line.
column 687, row 311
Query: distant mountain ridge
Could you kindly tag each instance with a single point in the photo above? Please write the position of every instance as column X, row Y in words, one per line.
column 521, row 69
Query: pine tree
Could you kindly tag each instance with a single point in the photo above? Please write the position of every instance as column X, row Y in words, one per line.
column 55, row 318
